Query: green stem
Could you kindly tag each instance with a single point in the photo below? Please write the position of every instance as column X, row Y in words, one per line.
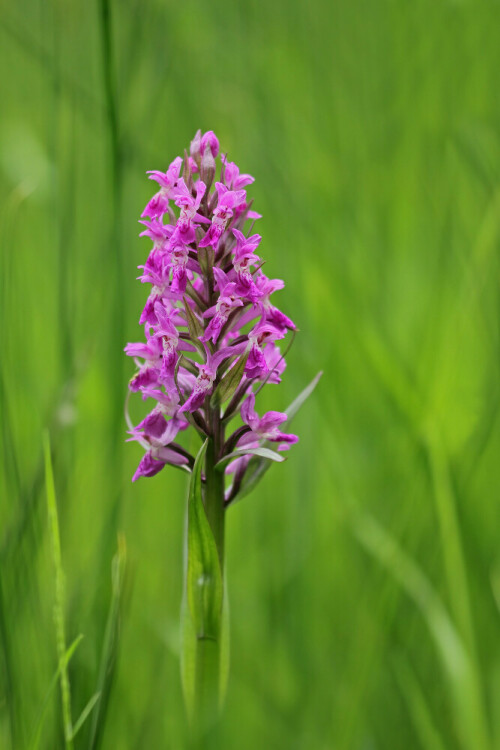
column 214, row 496
column 116, row 258
column 208, row 688
column 59, row 596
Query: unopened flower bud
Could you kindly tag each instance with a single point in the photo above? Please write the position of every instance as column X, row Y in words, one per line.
column 209, row 138
column 207, row 169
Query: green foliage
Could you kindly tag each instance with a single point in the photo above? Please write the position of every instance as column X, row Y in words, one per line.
column 204, row 577
column 229, row 383
column 261, row 452
column 195, row 327
column 202, row 619
column 363, row 572
column 63, row 663
column 263, row 457
column 59, row 603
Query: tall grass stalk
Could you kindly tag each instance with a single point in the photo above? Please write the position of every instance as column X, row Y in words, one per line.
column 116, row 266
column 59, row 599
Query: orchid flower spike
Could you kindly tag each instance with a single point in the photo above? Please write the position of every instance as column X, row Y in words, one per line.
column 211, row 330
column 213, row 337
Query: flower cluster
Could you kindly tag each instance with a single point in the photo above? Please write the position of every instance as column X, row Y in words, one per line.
column 211, row 329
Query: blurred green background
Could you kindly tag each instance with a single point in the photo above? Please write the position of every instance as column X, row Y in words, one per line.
column 364, row 574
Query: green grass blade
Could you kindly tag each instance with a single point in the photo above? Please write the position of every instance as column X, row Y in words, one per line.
column 110, row 644
column 59, row 594
column 418, row 707
column 35, row 741
column 85, row 713
column 457, row 665
column 450, row 535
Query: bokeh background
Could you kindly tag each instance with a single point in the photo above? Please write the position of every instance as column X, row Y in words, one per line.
column 364, row 573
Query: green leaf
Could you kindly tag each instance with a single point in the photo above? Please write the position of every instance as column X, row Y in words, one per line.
column 260, row 451
column 258, row 465
column 418, row 706
column 204, row 578
column 110, row 646
column 188, row 364
column 59, row 624
column 204, row 623
column 230, row 382
column 206, row 259
column 194, row 663
column 85, row 713
column 35, row 741
column 456, row 661
column 292, row 410
column 194, row 326
column 191, row 292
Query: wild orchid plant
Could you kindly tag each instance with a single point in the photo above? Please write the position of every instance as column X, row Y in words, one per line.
column 211, row 333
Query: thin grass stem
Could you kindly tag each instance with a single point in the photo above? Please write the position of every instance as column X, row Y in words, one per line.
column 59, row 595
